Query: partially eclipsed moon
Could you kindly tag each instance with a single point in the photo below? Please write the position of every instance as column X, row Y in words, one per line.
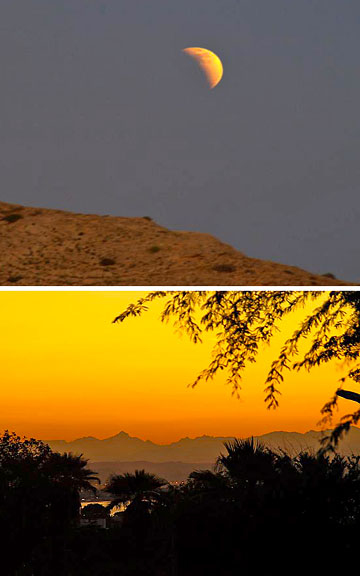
column 209, row 63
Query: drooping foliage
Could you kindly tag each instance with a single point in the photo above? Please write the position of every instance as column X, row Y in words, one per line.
column 245, row 321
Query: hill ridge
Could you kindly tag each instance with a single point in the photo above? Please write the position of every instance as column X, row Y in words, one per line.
column 48, row 247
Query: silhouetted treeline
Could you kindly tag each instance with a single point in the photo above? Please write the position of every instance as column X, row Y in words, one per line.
column 258, row 513
column 39, row 505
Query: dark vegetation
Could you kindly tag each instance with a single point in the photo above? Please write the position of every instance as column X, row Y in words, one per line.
column 14, row 279
column 12, row 218
column 330, row 275
column 226, row 268
column 154, row 249
column 258, row 512
column 107, row 262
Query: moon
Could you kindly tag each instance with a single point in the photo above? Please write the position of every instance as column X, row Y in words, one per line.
column 209, row 63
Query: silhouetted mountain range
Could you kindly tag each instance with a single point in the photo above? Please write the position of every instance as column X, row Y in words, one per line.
column 124, row 448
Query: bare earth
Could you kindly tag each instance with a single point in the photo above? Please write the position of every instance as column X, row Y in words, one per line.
column 56, row 248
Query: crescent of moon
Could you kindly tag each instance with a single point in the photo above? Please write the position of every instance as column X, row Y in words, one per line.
column 209, row 62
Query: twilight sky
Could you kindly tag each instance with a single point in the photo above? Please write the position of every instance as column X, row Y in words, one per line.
column 100, row 111
column 68, row 372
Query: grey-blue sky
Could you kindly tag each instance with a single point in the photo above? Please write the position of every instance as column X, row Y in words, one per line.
column 100, row 111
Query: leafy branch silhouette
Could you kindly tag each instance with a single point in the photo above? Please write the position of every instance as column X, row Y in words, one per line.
column 245, row 321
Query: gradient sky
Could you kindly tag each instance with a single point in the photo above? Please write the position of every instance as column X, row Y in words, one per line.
column 100, row 111
column 68, row 372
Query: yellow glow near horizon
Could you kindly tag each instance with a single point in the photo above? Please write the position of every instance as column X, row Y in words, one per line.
column 67, row 371
column 209, row 63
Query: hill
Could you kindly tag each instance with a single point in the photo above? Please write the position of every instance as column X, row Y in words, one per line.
column 55, row 248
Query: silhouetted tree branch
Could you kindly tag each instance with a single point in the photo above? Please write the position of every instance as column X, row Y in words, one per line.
column 244, row 321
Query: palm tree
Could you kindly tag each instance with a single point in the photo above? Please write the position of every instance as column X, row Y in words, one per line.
column 69, row 475
column 71, row 471
column 139, row 486
column 141, row 492
column 246, row 461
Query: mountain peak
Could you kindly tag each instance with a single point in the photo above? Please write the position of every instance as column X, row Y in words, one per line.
column 120, row 434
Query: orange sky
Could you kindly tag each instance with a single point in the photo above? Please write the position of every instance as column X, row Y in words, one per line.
column 67, row 371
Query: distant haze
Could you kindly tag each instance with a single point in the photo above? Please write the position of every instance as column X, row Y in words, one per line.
column 100, row 111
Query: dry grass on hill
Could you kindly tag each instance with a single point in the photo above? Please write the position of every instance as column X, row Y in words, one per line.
column 52, row 247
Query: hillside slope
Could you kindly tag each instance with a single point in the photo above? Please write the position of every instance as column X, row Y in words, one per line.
column 51, row 247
